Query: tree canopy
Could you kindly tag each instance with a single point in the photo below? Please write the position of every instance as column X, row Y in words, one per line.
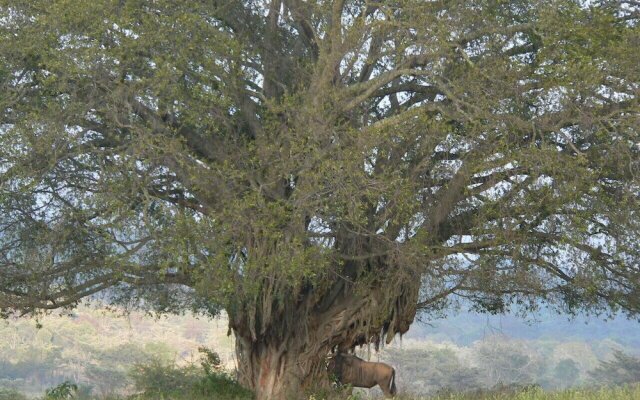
column 320, row 164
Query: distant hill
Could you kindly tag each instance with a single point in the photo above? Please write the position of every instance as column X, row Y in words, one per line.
column 465, row 328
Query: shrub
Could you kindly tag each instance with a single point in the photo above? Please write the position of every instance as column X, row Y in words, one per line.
column 158, row 379
column 65, row 390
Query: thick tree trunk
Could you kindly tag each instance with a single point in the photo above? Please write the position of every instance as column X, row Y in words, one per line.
column 277, row 371
column 284, row 335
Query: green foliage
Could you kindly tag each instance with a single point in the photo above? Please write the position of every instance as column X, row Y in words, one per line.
column 167, row 381
column 64, row 391
column 294, row 162
column 116, row 114
column 210, row 361
column 221, row 386
column 159, row 377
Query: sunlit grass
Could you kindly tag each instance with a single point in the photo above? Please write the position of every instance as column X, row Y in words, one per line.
column 617, row 393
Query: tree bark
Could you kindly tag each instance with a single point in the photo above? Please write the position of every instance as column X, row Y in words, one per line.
column 279, row 370
column 282, row 349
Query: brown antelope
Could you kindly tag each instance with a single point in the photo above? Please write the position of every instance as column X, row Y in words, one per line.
column 349, row 369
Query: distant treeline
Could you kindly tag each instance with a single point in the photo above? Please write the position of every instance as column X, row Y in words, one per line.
column 100, row 352
column 498, row 361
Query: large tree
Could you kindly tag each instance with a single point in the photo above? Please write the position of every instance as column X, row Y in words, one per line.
column 321, row 170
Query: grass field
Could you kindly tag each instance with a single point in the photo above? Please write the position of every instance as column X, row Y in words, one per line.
column 631, row 392
column 621, row 393
column 220, row 390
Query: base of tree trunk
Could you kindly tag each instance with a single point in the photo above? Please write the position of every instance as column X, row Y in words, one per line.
column 279, row 371
column 282, row 354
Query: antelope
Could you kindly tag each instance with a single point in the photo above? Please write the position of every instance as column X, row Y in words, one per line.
column 349, row 369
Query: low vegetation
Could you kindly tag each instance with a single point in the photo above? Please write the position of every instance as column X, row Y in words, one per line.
column 158, row 380
column 615, row 393
column 97, row 349
column 109, row 357
column 199, row 387
column 209, row 379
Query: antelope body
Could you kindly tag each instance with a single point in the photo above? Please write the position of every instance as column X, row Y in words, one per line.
column 352, row 370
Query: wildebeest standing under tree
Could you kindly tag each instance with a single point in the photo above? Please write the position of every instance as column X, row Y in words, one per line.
column 349, row 369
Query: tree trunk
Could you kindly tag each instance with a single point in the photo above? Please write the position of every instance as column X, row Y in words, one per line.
column 277, row 371
column 282, row 347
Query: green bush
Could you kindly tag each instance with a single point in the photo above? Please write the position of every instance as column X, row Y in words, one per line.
column 158, row 377
column 64, row 391
column 221, row 386
column 162, row 380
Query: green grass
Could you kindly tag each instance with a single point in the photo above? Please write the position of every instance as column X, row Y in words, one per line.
column 631, row 392
column 618, row 393
column 221, row 387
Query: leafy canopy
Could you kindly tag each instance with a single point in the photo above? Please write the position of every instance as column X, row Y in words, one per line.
column 255, row 150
